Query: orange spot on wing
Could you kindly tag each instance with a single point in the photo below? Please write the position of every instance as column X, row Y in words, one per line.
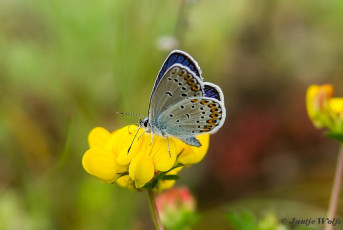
column 211, row 122
column 214, row 115
column 207, row 128
column 195, row 88
column 204, row 102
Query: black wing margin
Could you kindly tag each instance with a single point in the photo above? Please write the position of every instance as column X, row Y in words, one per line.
column 213, row 91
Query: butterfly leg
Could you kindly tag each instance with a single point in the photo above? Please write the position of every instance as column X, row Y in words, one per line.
column 140, row 135
column 168, row 147
column 152, row 137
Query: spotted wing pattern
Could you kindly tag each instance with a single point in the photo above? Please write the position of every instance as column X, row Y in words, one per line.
column 178, row 83
column 191, row 117
column 177, row 57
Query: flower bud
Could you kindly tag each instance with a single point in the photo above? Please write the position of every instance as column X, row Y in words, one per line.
column 177, row 208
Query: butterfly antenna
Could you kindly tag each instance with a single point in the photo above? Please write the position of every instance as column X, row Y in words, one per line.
column 168, row 147
column 133, row 141
column 134, row 114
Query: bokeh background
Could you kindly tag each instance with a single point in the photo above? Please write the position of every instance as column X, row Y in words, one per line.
column 68, row 66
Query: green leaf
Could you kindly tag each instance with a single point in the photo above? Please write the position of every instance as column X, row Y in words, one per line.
column 244, row 220
column 151, row 185
column 162, row 174
column 170, row 177
column 335, row 136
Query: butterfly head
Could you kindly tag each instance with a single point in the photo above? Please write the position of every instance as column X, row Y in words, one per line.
column 144, row 123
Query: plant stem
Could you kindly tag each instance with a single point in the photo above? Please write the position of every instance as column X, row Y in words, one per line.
column 154, row 211
column 335, row 189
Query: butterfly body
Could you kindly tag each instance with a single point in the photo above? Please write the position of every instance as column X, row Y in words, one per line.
column 181, row 104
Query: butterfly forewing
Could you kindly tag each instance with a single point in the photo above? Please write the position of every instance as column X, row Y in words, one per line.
column 193, row 116
column 181, row 104
column 178, row 84
column 177, row 57
column 213, row 91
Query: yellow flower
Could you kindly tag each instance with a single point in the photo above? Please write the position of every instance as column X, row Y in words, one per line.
column 324, row 110
column 111, row 159
column 100, row 160
column 192, row 155
column 167, row 184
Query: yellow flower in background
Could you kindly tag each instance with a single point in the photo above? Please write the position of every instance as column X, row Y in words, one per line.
column 156, row 163
column 324, row 110
column 317, row 103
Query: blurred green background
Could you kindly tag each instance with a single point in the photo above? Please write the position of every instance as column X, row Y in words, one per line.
column 69, row 66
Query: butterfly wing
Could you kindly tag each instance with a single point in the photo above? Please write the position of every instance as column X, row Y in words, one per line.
column 181, row 104
column 176, row 57
column 193, row 116
column 177, row 84
column 213, row 91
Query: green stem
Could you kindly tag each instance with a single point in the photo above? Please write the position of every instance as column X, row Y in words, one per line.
column 154, row 211
column 335, row 189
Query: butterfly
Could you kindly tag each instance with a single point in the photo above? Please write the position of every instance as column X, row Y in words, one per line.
column 181, row 104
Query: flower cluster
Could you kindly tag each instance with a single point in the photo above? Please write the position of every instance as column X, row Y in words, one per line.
column 177, row 208
column 137, row 162
column 324, row 110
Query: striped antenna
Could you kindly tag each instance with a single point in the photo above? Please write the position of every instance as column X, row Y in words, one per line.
column 134, row 114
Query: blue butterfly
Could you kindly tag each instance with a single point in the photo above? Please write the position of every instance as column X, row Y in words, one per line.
column 181, row 104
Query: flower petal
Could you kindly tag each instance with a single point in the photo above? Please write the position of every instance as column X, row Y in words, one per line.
column 167, row 184
column 102, row 164
column 193, row 155
column 98, row 137
column 159, row 150
column 122, row 140
column 336, row 105
column 317, row 98
column 126, row 182
column 141, row 169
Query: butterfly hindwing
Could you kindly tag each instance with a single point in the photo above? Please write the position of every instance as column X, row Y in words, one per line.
column 178, row 83
column 192, row 116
